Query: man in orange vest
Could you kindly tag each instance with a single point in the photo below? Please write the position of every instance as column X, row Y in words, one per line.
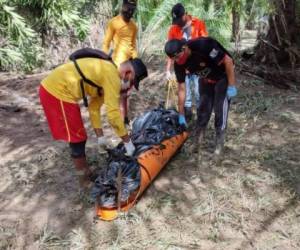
column 186, row 27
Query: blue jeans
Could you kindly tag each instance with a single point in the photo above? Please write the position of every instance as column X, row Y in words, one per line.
column 192, row 85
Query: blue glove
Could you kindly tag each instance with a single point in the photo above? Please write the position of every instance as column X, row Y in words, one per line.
column 231, row 91
column 181, row 120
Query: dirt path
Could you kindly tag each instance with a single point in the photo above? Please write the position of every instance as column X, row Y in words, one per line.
column 248, row 201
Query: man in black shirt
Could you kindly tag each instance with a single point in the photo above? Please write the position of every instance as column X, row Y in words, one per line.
column 207, row 58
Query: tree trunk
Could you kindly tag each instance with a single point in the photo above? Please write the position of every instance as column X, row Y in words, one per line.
column 279, row 47
column 250, row 24
column 235, row 25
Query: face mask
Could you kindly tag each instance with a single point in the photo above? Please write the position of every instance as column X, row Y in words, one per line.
column 181, row 60
column 127, row 14
column 181, row 23
column 125, row 84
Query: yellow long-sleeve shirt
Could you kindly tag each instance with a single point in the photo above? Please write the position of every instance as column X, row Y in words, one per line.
column 123, row 36
column 64, row 83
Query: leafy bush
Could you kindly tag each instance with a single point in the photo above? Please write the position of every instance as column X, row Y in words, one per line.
column 30, row 27
column 26, row 26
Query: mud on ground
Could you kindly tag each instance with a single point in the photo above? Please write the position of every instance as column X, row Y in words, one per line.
column 248, row 200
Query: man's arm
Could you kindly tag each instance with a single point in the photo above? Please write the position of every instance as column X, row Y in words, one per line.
column 134, row 38
column 181, row 97
column 95, row 117
column 168, row 69
column 180, row 76
column 169, row 64
column 229, row 69
column 112, row 88
column 109, row 33
column 172, row 34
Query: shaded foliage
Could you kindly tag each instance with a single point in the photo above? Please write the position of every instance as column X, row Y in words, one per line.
column 29, row 27
column 25, row 26
column 280, row 45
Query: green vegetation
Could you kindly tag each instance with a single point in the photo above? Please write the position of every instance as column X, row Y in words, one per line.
column 28, row 28
column 25, row 27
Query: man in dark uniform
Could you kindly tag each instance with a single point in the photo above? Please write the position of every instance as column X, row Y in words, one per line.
column 207, row 58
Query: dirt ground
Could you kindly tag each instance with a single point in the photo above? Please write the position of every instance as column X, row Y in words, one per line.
column 249, row 200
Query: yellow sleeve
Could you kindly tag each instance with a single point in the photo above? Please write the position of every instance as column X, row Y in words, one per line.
column 134, row 37
column 109, row 34
column 94, row 111
column 112, row 104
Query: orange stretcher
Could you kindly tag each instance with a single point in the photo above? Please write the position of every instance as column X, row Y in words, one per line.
column 151, row 162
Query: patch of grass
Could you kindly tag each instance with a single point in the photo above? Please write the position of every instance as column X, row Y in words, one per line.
column 284, row 162
column 214, row 233
column 48, row 240
column 256, row 104
column 285, row 117
column 78, row 239
column 252, row 83
column 167, row 200
column 7, row 237
column 215, row 207
column 238, row 134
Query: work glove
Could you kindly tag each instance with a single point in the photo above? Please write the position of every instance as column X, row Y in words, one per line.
column 169, row 76
column 103, row 144
column 181, row 120
column 130, row 148
column 231, row 91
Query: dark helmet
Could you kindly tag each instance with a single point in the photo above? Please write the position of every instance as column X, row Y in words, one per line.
column 128, row 9
column 130, row 2
column 177, row 13
column 173, row 47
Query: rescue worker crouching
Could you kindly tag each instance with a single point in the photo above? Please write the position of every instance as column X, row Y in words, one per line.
column 209, row 59
column 186, row 27
column 60, row 91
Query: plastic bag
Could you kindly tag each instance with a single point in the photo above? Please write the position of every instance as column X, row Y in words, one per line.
column 153, row 127
column 149, row 129
column 106, row 187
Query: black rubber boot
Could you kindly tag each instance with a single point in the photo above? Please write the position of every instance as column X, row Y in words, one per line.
column 198, row 139
column 188, row 114
column 200, row 135
column 220, row 139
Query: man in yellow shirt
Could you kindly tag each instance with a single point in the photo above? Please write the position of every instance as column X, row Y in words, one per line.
column 61, row 90
column 122, row 32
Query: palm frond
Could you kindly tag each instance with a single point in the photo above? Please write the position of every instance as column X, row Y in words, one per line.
column 16, row 27
column 157, row 24
column 8, row 55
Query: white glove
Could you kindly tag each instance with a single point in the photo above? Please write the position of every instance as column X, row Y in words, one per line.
column 130, row 148
column 169, row 76
column 103, row 144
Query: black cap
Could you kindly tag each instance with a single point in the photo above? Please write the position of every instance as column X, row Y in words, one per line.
column 130, row 2
column 140, row 71
column 177, row 13
column 173, row 47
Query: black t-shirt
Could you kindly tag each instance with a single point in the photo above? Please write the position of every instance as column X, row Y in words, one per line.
column 205, row 60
